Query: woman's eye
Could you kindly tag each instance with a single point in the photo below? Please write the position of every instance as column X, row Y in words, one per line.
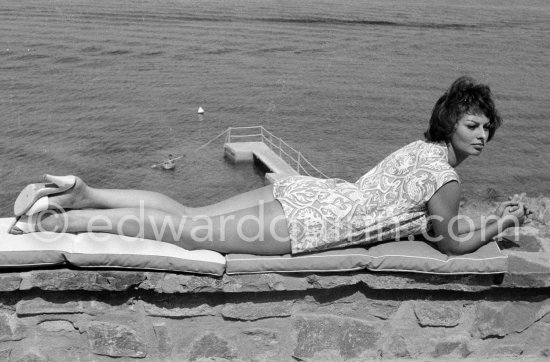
column 472, row 127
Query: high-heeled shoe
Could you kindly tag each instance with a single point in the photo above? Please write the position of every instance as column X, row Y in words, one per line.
column 34, row 197
column 23, row 225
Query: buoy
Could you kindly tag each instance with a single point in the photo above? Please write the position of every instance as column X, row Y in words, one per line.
column 200, row 111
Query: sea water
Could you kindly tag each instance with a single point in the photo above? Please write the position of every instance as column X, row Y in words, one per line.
column 104, row 89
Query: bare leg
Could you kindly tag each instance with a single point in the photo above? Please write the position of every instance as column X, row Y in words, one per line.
column 116, row 199
column 259, row 229
column 252, row 222
column 246, row 199
column 83, row 196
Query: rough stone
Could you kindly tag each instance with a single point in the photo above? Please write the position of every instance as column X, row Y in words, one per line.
column 163, row 337
column 530, row 243
column 349, row 336
column 445, row 348
column 524, row 262
column 32, row 357
column 262, row 336
column 526, row 280
column 356, row 305
column 94, row 307
column 540, row 207
column 178, row 312
column 10, row 282
column 184, row 283
column 169, row 283
column 396, row 347
column 525, row 238
column 508, row 350
column 325, row 355
column 545, row 218
column 250, row 311
column 36, row 306
column 211, row 346
column 535, row 339
column 437, row 314
column 337, row 322
column 57, row 326
column 64, row 279
column 119, row 280
column 5, row 355
column 263, row 282
column 502, row 318
column 114, row 340
column 457, row 346
column 9, row 327
column 152, row 281
column 383, row 309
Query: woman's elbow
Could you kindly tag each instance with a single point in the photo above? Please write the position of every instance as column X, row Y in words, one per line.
column 447, row 250
column 459, row 247
column 451, row 247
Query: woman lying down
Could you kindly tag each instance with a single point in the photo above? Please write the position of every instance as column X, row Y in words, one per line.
column 413, row 191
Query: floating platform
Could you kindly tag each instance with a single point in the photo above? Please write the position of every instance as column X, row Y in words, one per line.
column 264, row 158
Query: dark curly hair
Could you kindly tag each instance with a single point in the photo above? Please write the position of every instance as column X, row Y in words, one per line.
column 465, row 96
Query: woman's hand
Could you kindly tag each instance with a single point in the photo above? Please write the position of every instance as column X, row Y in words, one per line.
column 515, row 212
column 512, row 206
column 501, row 209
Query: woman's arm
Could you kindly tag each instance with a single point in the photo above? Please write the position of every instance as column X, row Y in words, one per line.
column 455, row 239
column 468, row 224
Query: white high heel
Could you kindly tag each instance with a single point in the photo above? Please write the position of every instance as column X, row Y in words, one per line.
column 24, row 224
column 34, row 197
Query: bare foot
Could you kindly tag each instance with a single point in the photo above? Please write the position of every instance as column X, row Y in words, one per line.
column 74, row 198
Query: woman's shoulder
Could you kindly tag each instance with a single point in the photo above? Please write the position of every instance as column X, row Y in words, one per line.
column 420, row 148
column 428, row 156
column 429, row 151
column 434, row 159
column 426, row 145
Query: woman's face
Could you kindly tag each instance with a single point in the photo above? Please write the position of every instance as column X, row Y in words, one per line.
column 470, row 135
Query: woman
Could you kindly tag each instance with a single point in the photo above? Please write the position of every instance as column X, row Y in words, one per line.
column 413, row 191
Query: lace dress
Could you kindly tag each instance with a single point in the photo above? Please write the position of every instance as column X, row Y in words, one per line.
column 389, row 202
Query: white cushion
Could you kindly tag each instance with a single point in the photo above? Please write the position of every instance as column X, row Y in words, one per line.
column 398, row 256
column 102, row 250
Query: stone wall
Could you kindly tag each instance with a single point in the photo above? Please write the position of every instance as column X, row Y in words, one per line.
column 88, row 315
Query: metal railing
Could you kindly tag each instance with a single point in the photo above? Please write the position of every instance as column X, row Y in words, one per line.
column 288, row 154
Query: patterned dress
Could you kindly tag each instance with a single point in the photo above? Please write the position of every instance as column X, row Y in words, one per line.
column 387, row 203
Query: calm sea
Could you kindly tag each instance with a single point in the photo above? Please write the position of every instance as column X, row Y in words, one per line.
column 104, row 89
